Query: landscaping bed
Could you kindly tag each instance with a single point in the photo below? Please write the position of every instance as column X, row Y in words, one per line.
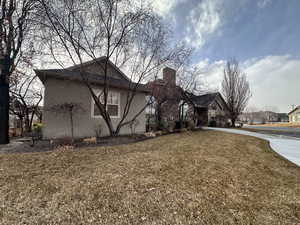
column 203, row 177
column 22, row 146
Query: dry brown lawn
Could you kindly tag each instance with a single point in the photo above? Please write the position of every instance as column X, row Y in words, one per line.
column 205, row 177
column 294, row 125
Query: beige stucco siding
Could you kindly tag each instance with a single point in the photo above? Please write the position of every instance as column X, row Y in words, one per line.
column 57, row 125
column 294, row 117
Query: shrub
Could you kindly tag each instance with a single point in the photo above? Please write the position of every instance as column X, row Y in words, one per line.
column 178, row 125
column 183, row 130
column 212, row 123
column 191, row 125
column 133, row 125
column 37, row 130
column 162, row 125
column 62, row 141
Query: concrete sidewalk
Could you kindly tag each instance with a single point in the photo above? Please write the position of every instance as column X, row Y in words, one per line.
column 288, row 147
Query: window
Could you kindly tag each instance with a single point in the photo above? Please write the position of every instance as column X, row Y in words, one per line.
column 112, row 107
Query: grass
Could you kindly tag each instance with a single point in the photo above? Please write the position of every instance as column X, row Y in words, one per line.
column 293, row 125
column 205, row 177
column 271, row 131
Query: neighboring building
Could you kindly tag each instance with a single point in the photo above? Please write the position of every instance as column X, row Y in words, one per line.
column 66, row 86
column 173, row 104
column 271, row 117
column 262, row 117
column 283, row 117
column 167, row 95
column 294, row 115
column 210, row 109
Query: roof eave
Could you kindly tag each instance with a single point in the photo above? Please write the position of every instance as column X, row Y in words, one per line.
column 43, row 74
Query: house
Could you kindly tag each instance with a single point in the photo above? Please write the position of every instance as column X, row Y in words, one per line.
column 261, row 117
column 283, row 117
column 172, row 104
column 294, row 115
column 167, row 95
column 209, row 110
column 66, row 86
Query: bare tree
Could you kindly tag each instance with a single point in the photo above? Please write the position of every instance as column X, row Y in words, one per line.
column 125, row 32
column 236, row 90
column 191, row 83
column 15, row 25
column 70, row 109
column 25, row 98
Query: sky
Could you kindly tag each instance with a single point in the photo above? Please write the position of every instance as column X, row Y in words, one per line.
column 263, row 35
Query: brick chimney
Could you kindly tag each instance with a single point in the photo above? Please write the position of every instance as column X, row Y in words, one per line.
column 169, row 76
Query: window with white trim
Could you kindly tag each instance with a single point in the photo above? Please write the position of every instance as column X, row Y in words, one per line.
column 112, row 106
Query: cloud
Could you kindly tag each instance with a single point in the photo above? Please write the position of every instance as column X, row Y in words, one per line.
column 274, row 80
column 203, row 20
column 163, row 7
column 263, row 3
column 212, row 74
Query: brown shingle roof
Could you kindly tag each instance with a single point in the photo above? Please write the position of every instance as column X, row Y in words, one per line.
column 204, row 100
column 97, row 79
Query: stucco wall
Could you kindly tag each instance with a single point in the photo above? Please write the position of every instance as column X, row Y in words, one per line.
column 295, row 116
column 57, row 125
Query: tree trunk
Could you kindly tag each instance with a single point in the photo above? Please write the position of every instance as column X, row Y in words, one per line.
column 112, row 132
column 31, row 120
column 21, row 126
column 233, row 122
column 158, row 116
column 4, row 100
column 4, row 113
column 27, row 124
column 72, row 126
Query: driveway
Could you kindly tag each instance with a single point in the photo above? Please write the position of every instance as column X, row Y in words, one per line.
column 288, row 147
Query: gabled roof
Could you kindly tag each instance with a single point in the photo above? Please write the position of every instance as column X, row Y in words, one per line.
column 298, row 107
column 72, row 74
column 206, row 99
column 97, row 61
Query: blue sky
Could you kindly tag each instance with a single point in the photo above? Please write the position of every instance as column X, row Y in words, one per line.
column 263, row 35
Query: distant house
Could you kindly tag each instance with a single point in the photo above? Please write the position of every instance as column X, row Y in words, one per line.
column 294, row 115
column 262, row 117
column 283, row 117
column 66, row 86
column 209, row 110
